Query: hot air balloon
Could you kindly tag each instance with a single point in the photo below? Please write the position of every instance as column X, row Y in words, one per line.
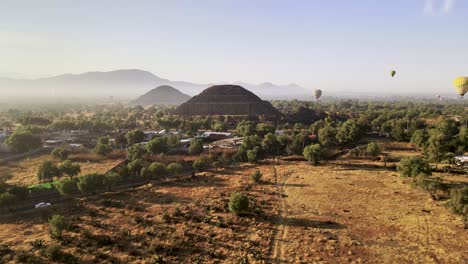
column 317, row 94
column 392, row 73
column 461, row 85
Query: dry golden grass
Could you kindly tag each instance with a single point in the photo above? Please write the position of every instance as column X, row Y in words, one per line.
column 24, row 172
column 199, row 226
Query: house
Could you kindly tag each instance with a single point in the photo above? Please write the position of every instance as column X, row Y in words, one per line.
column 210, row 135
column 52, row 143
column 461, row 160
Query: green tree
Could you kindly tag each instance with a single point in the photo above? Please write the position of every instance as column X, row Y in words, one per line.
column 47, row 171
column 60, row 153
column 135, row 166
column 419, row 138
column 373, row 149
column 135, row 136
column 58, row 224
column 218, row 126
column 263, row 129
column 348, row 132
column 158, row 169
column 196, row 147
column 7, row 199
column 135, row 152
column 91, row 183
column 239, row 203
column 327, row 136
column 111, row 179
column 23, row 141
column 252, row 154
column 414, row 166
column 313, row 153
column 102, row 150
column 103, row 140
column 174, row 169
column 256, row 176
column 157, row 145
column 246, row 128
column 201, row 164
column 66, row 186
column 69, row 168
column 270, row 144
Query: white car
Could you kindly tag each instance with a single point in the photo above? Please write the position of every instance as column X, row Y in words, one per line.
column 42, row 205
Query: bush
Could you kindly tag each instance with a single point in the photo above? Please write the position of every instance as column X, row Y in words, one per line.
column 69, row 168
column 174, row 169
column 313, row 153
column 431, row 185
column 256, row 176
column 7, row 199
column 60, row 153
column 58, row 224
column 102, row 150
column 23, row 141
column 414, row 166
column 135, row 152
column 373, row 149
column 55, row 253
column 239, row 203
column 157, row 169
column 157, row 145
column 91, row 183
column 459, row 202
column 135, row 167
column 196, row 147
column 66, row 186
column 47, row 171
column 252, row 155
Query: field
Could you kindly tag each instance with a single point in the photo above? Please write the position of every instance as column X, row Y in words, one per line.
column 349, row 210
column 24, row 172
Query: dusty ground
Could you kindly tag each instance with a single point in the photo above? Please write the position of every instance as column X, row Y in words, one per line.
column 182, row 221
column 343, row 214
column 24, row 172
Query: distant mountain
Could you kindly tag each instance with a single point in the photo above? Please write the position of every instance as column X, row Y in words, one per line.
column 126, row 83
column 162, row 95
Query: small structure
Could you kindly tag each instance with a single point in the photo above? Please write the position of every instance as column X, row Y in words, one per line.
column 461, row 160
column 52, row 143
column 210, row 135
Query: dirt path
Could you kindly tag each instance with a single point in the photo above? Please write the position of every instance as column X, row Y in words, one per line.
column 334, row 214
column 282, row 229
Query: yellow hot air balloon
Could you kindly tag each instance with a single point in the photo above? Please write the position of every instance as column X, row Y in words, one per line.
column 461, row 85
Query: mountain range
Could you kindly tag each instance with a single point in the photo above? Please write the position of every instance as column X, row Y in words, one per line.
column 129, row 84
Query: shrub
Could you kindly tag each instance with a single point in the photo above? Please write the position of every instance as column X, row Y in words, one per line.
column 20, row 192
column 174, row 169
column 7, row 199
column 135, row 136
column 201, row 164
column 431, row 185
column 313, row 153
column 414, row 166
column 196, row 147
column 157, row 145
column 256, row 176
column 60, row 153
column 55, row 253
column 135, row 152
column 90, row 183
column 47, row 171
column 157, row 169
column 135, row 167
column 69, row 168
column 373, row 149
column 66, row 186
column 102, row 150
column 459, row 202
column 58, row 224
column 252, row 155
column 239, row 203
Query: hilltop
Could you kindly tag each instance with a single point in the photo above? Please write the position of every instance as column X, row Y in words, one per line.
column 162, row 95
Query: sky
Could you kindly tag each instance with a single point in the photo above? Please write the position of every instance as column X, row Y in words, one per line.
column 335, row 45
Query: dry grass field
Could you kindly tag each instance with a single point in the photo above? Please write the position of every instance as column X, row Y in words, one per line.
column 344, row 211
column 24, row 172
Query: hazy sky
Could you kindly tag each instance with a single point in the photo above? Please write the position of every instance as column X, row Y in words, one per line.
column 332, row 44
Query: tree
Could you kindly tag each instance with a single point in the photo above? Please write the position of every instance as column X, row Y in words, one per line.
column 111, row 179
column 270, row 144
column 47, row 171
column 135, row 136
column 103, row 140
column 313, row 153
column 419, row 138
column 58, row 224
column 414, row 166
column 157, row 169
column 373, row 149
column 349, row 132
column 218, row 126
column 246, row 128
column 60, row 153
column 102, row 150
column 263, row 129
column 69, row 168
column 90, row 183
column 252, row 155
column 196, row 147
column 157, row 145
column 135, row 152
column 239, row 203
column 66, row 186
column 174, row 169
column 121, row 140
column 327, row 136
column 23, row 141
column 135, row 166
